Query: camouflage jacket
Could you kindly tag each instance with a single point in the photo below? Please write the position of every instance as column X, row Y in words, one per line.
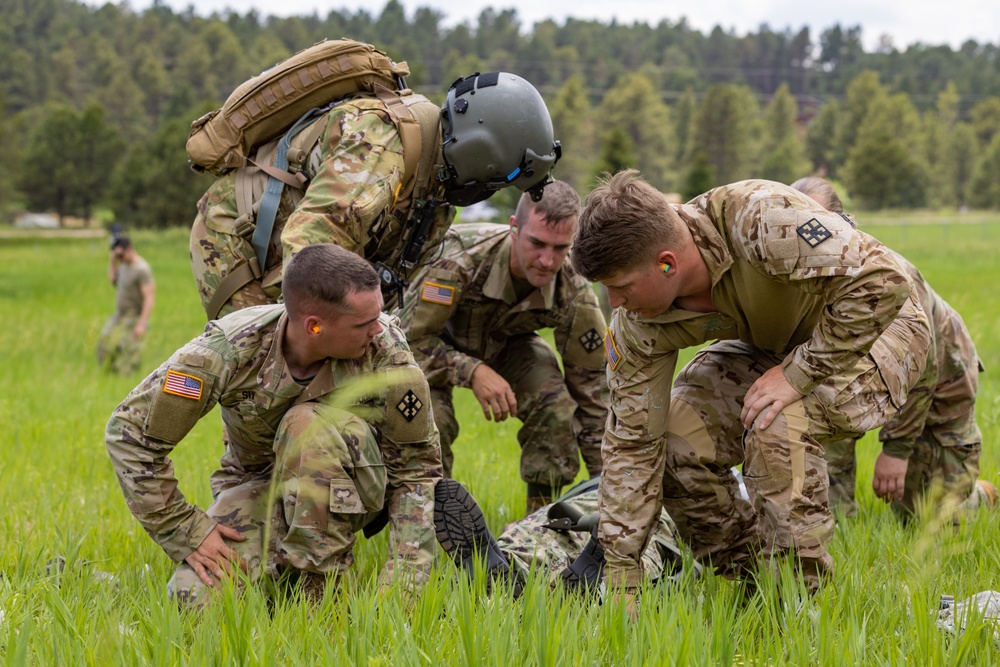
column 355, row 175
column 238, row 364
column 954, row 356
column 461, row 308
column 787, row 276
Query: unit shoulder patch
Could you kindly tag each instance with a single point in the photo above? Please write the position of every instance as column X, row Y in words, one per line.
column 611, row 350
column 409, row 405
column 436, row 293
column 182, row 384
column 813, row 232
column 590, row 340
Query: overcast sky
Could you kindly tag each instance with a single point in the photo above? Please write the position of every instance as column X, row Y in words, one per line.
column 906, row 21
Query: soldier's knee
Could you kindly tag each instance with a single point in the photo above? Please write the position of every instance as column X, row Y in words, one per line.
column 334, row 429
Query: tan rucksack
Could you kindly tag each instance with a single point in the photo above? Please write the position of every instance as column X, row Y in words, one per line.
column 265, row 106
column 269, row 124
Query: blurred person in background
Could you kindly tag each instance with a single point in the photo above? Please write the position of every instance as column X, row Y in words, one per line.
column 119, row 346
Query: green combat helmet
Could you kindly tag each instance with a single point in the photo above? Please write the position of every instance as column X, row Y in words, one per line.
column 496, row 133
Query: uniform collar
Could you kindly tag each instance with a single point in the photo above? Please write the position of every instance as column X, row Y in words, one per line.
column 499, row 283
column 322, row 384
column 274, row 376
column 710, row 243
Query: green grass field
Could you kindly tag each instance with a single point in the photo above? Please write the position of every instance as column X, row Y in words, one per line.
column 59, row 496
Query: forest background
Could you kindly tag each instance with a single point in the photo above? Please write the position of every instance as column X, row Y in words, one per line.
column 96, row 103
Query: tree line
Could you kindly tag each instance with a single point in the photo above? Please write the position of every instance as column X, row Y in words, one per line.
column 96, row 103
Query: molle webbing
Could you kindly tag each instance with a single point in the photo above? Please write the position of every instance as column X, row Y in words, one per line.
column 263, row 107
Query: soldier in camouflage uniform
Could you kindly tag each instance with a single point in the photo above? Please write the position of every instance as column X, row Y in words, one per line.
column 119, row 346
column 326, row 413
column 471, row 317
column 934, row 438
column 819, row 337
column 494, row 132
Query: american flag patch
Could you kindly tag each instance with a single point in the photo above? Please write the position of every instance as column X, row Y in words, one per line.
column 611, row 350
column 180, row 384
column 435, row 293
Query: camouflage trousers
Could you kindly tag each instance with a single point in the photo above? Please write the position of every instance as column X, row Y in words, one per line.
column 550, row 453
column 529, row 545
column 328, row 483
column 937, row 422
column 783, row 466
column 119, row 350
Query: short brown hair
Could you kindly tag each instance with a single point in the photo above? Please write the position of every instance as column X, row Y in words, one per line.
column 323, row 275
column 626, row 222
column 559, row 202
column 820, row 191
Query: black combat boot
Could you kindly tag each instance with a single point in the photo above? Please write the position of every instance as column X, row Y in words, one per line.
column 460, row 527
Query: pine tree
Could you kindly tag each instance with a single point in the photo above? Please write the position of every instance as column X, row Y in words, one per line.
column 784, row 157
column 573, row 127
column 884, row 168
column 634, row 107
column 985, row 190
column 617, row 153
column 724, row 130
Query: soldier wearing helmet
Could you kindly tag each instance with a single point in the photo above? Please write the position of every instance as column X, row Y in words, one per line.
column 492, row 132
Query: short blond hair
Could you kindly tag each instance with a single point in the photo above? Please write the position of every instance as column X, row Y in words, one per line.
column 625, row 223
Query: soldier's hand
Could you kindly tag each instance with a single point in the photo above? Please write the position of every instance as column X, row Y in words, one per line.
column 890, row 477
column 493, row 393
column 213, row 556
column 139, row 330
column 768, row 395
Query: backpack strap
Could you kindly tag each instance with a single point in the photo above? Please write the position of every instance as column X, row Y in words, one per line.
column 428, row 119
column 409, row 130
column 276, row 184
column 243, row 274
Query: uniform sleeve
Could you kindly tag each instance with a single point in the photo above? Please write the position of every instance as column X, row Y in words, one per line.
column 639, row 376
column 433, row 297
column 819, row 252
column 580, row 343
column 353, row 190
column 145, row 276
column 412, row 454
column 145, row 428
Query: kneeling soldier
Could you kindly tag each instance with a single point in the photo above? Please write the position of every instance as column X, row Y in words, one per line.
column 327, row 415
column 471, row 318
column 819, row 336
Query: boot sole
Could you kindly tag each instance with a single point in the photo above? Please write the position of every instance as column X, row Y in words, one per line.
column 459, row 522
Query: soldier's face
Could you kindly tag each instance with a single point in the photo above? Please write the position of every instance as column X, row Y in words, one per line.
column 538, row 249
column 349, row 331
column 643, row 290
